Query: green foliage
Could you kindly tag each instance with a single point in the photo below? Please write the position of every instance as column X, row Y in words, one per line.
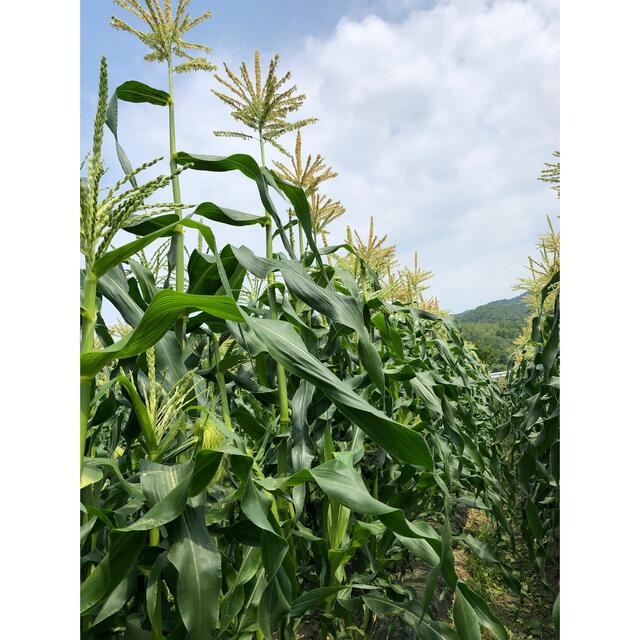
column 507, row 311
column 493, row 328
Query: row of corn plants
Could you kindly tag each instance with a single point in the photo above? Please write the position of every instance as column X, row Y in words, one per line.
column 269, row 447
column 530, row 438
column 532, row 434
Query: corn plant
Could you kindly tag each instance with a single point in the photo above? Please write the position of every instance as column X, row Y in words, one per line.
column 100, row 221
column 207, row 512
column 264, row 109
column 531, row 437
column 165, row 40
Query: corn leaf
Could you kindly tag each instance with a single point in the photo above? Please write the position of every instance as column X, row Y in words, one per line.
column 159, row 316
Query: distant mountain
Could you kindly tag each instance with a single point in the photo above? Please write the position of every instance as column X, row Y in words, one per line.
column 493, row 327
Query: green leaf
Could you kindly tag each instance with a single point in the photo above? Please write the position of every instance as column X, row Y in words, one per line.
column 167, row 489
column 194, row 554
column 113, row 286
column 423, row 384
column 425, row 629
column 447, row 560
column 343, row 484
column 233, row 599
column 133, row 490
column 451, row 427
column 144, row 278
column 481, row 549
column 552, row 345
column 390, row 336
column 421, row 549
column 150, row 225
column 525, row 466
column 90, row 475
column 465, row 618
column 546, row 290
column 112, row 123
column 141, row 412
column 227, row 216
column 484, row 615
column 204, row 276
column 370, row 359
column 257, row 508
column 124, row 548
column 117, row 597
column 86, row 528
column 206, row 465
column 533, row 518
column 153, row 597
column 273, row 607
column 301, row 445
column 114, row 257
column 298, row 199
column 556, row 613
column 341, row 309
column 382, row 606
column 135, row 632
column 472, row 502
column 313, row 598
column 157, row 319
column 248, row 423
column 134, row 91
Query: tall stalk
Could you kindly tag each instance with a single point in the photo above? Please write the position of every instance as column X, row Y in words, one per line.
column 283, row 399
column 89, row 315
column 178, row 233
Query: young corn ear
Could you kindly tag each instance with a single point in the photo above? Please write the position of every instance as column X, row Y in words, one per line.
column 211, row 437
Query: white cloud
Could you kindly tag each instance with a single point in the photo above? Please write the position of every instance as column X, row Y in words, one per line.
column 438, row 125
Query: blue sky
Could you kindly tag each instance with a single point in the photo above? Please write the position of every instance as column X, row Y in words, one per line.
column 437, row 116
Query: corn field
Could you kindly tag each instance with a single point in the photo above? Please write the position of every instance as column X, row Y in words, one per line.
column 270, row 444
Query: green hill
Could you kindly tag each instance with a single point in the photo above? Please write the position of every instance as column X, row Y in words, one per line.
column 493, row 327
